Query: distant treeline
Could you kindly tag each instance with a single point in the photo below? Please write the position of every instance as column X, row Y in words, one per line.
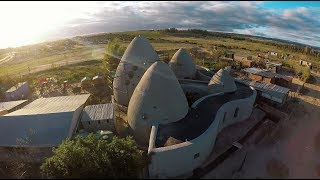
column 203, row 33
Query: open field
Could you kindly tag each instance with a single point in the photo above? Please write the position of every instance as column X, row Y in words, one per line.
column 33, row 58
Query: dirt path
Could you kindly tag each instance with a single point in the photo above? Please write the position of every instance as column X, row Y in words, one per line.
column 7, row 58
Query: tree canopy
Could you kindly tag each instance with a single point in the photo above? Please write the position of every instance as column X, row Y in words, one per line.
column 91, row 157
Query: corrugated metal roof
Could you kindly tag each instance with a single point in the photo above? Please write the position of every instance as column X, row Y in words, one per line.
column 265, row 73
column 252, row 70
column 49, row 119
column 52, row 105
column 10, row 104
column 263, row 86
column 98, row 112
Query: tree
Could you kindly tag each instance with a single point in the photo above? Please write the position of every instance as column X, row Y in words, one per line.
column 307, row 50
column 91, row 157
column 112, row 56
column 305, row 73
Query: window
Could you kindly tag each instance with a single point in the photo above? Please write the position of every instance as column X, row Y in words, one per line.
column 107, row 120
column 81, row 125
column 196, row 156
column 224, row 117
column 236, row 112
column 89, row 122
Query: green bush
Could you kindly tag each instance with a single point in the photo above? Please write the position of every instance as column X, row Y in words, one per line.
column 305, row 73
column 91, row 157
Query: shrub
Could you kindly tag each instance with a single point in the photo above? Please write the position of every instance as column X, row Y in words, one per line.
column 91, row 157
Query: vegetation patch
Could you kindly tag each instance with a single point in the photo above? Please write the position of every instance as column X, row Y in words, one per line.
column 91, row 157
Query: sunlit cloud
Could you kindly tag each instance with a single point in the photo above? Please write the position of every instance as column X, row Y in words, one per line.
column 50, row 20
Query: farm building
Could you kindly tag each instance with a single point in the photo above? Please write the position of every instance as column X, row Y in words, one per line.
column 18, row 92
column 307, row 63
column 272, row 93
column 180, row 135
column 45, row 122
column 98, row 117
column 259, row 75
column 268, row 77
column 137, row 58
column 182, row 65
column 245, row 60
column 230, row 55
column 272, row 53
column 273, row 67
column 10, row 106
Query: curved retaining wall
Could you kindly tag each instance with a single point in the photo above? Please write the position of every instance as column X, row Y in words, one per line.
column 183, row 158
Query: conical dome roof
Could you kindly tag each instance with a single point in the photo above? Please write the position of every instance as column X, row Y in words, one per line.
column 222, row 81
column 137, row 58
column 158, row 98
column 182, row 64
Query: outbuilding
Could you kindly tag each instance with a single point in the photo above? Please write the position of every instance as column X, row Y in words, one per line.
column 98, row 117
column 18, row 92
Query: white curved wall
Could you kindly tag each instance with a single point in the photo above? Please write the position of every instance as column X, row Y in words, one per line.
column 176, row 160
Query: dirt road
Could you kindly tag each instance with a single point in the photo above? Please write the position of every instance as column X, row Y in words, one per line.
column 7, row 58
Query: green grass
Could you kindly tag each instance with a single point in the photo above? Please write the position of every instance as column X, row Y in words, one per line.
column 3, row 56
column 68, row 50
column 69, row 55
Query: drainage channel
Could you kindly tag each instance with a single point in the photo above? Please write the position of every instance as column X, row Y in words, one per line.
column 200, row 172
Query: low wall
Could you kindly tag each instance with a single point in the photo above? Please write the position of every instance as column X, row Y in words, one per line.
column 183, row 158
column 202, row 76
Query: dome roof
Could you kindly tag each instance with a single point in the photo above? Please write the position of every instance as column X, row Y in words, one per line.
column 222, row 82
column 182, row 64
column 157, row 99
column 137, row 58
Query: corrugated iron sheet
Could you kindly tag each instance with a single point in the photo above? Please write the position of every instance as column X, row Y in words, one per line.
column 98, row 112
column 52, row 105
column 10, row 104
column 265, row 87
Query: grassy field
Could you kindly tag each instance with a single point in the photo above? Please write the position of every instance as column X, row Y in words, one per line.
column 29, row 58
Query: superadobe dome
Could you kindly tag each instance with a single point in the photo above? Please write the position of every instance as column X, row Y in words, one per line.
column 157, row 99
column 182, row 65
column 222, row 82
column 137, row 58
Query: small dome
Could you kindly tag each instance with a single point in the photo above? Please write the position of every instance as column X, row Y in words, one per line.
column 182, row 65
column 157, row 99
column 222, row 82
column 137, row 58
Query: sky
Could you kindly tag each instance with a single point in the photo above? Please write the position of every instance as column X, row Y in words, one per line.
column 31, row 22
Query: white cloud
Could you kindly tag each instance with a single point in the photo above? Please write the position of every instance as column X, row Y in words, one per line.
column 242, row 17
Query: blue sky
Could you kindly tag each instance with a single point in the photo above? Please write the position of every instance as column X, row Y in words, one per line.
column 31, row 22
column 290, row 4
